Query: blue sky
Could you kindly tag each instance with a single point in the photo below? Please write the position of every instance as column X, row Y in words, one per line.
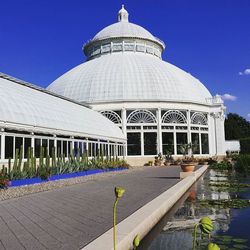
column 42, row 39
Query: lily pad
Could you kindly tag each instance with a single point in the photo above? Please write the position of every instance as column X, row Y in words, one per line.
column 223, row 246
column 240, row 246
column 240, row 240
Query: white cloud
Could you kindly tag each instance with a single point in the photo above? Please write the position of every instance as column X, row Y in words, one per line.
column 248, row 115
column 245, row 72
column 228, row 97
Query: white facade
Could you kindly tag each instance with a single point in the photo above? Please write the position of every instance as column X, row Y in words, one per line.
column 157, row 105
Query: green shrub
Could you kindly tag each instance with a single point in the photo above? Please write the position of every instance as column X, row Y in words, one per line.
column 245, row 146
column 224, row 165
column 242, row 164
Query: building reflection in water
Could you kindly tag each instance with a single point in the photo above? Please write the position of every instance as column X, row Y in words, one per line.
column 177, row 233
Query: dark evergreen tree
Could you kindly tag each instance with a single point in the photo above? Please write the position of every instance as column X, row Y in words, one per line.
column 236, row 127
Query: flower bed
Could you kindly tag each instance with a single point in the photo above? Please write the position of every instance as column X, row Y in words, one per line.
column 30, row 181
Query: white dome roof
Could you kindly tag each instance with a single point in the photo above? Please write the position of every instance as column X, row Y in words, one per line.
column 129, row 76
column 124, row 29
column 127, row 70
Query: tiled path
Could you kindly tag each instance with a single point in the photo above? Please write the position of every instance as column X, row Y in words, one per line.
column 71, row 217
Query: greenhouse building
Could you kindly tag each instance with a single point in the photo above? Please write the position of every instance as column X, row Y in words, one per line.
column 157, row 106
column 32, row 117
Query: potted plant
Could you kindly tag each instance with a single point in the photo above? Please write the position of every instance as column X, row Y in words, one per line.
column 168, row 159
column 158, row 160
column 188, row 161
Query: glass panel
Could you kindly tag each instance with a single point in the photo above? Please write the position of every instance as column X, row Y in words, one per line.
column 97, row 149
column 75, row 148
column 93, row 149
column 181, row 139
column 110, row 150
column 150, row 143
column 134, row 143
column 45, row 145
column 90, row 149
column 84, row 147
column 69, row 147
column 65, row 148
column 27, row 145
column 101, row 150
column 59, row 148
column 204, row 144
column 9, row 147
column 168, row 143
column 18, row 142
column 195, row 143
column 51, row 145
column 37, row 147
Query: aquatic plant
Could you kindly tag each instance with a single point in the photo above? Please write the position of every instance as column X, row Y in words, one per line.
column 224, row 165
column 119, row 191
column 206, row 227
column 212, row 246
column 136, row 241
column 234, row 203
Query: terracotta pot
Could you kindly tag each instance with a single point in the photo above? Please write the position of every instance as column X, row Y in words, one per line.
column 188, row 167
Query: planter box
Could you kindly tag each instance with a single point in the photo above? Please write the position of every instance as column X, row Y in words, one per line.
column 22, row 182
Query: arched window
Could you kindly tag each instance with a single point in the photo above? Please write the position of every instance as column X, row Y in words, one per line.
column 198, row 118
column 174, row 116
column 141, row 116
column 112, row 116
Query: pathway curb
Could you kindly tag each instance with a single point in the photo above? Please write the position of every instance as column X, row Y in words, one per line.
column 145, row 218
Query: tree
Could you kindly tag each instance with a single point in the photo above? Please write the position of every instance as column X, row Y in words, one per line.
column 236, row 127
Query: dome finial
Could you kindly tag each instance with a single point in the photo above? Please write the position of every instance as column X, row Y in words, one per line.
column 123, row 15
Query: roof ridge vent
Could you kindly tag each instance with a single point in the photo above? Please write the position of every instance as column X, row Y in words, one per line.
column 123, row 15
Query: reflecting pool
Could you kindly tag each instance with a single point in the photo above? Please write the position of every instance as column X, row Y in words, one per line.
column 223, row 197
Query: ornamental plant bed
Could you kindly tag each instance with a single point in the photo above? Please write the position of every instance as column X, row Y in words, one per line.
column 4, row 181
column 30, row 181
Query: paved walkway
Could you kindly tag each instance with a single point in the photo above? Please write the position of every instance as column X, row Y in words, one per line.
column 73, row 216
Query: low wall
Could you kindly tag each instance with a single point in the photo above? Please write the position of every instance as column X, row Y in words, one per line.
column 144, row 219
column 137, row 161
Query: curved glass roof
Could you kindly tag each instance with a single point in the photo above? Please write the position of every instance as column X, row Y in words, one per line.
column 24, row 105
column 123, row 29
column 127, row 69
column 129, row 77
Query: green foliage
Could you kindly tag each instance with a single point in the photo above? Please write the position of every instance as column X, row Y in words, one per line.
column 242, row 164
column 212, row 246
column 234, row 203
column 57, row 164
column 136, row 241
column 206, row 227
column 119, row 191
column 245, row 145
column 236, row 127
column 224, row 165
column 4, row 179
